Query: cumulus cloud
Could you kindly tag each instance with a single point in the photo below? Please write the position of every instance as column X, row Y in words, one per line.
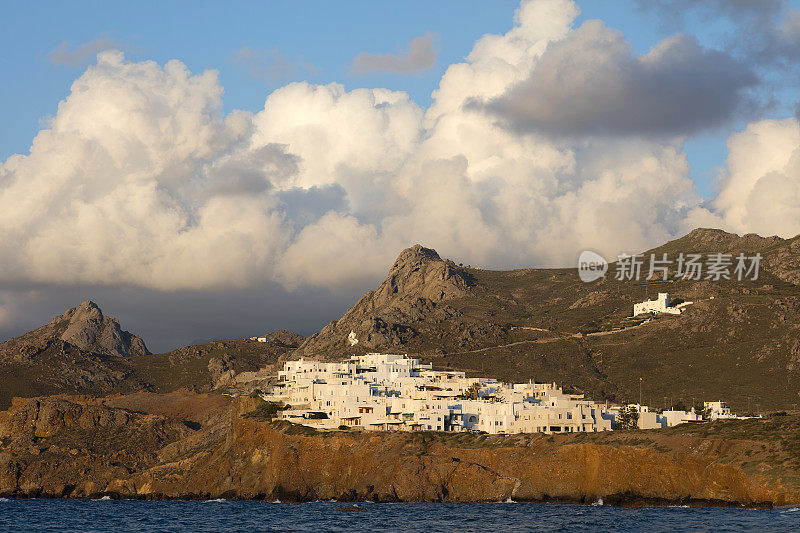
column 142, row 180
column 62, row 55
column 760, row 191
column 591, row 83
column 271, row 65
column 420, row 55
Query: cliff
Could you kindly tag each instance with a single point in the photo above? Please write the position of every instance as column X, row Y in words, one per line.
column 205, row 447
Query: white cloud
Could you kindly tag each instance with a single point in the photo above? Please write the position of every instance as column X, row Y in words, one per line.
column 761, row 189
column 141, row 179
column 420, row 55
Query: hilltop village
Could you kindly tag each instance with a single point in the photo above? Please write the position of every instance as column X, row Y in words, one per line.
column 385, row 392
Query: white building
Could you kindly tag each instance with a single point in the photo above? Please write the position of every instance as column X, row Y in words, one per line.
column 718, row 410
column 395, row 392
column 659, row 305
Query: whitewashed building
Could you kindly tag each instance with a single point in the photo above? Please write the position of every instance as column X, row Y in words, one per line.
column 718, row 410
column 394, row 392
column 659, row 305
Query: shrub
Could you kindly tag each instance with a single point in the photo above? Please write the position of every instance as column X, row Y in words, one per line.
column 265, row 410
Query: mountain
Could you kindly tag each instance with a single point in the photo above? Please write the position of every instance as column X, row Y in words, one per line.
column 84, row 327
column 83, row 351
column 738, row 341
column 414, row 291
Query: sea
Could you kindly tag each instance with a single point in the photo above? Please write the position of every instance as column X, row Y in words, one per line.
column 251, row 516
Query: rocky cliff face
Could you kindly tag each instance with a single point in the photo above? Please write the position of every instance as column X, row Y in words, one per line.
column 417, row 288
column 60, row 447
column 84, row 327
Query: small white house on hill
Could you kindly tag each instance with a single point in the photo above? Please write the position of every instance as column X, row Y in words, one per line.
column 659, row 305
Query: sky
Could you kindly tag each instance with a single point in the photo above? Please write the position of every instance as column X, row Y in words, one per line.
column 207, row 170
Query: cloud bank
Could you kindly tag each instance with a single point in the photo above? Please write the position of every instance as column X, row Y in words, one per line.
column 591, row 83
column 142, row 180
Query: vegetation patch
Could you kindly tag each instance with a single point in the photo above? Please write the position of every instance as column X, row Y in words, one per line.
column 265, row 411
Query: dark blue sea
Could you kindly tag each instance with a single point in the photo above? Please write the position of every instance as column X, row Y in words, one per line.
column 233, row 516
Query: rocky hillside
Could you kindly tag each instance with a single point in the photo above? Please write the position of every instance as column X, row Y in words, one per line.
column 738, row 341
column 83, row 327
column 416, row 289
column 84, row 351
column 199, row 446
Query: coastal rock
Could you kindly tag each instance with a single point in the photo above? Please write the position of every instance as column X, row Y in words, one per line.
column 87, row 450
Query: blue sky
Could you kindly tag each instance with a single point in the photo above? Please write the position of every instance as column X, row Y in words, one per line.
column 325, row 35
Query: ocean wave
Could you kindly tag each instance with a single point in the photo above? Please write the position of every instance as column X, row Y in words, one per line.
column 218, row 500
column 789, row 510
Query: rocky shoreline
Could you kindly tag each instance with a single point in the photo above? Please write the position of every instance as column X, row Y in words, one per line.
column 201, row 447
column 617, row 500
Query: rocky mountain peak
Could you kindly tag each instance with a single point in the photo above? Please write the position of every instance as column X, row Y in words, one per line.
column 417, row 286
column 414, row 254
column 84, row 327
column 419, row 272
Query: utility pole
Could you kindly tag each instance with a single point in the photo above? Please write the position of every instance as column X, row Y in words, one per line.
column 640, row 391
